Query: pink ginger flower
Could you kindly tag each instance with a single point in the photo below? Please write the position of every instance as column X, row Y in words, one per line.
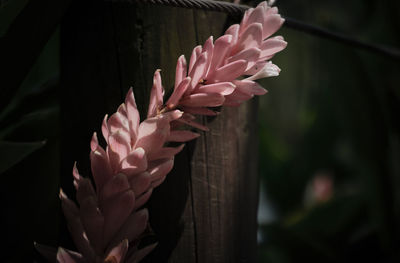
column 109, row 222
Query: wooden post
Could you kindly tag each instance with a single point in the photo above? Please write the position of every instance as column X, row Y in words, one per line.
column 206, row 209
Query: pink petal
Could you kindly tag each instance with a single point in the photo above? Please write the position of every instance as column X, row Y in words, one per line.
column 272, row 10
column 194, row 124
column 249, row 87
column 93, row 222
column 256, row 68
column 264, row 5
column 182, row 136
column 104, row 128
column 243, row 23
column 119, row 142
column 278, row 37
column 240, row 96
column 233, row 30
column 271, row 46
column 156, row 95
column 118, row 121
column 135, row 162
column 199, row 111
column 116, row 210
column 84, row 190
column 116, row 185
column 94, row 143
column 75, row 227
column 165, row 153
column 203, row 100
column 117, row 254
column 68, row 256
column 178, row 92
column 221, row 50
column 271, row 24
column 251, row 37
column 141, row 200
column 133, row 115
column 134, row 226
column 198, row 72
column 140, row 183
column 223, row 88
column 152, row 134
column 75, row 173
column 188, row 116
column 251, row 55
column 140, row 254
column 269, row 70
column 257, row 16
column 160, row 169
column 171, row 115
column 122, row 110
column 114, row 160
column 230, row 71
column 208, row 48
column 195, row 54
column 101, row 169
column 181, row 70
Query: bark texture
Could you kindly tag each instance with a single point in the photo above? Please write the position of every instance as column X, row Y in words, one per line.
column 206, row 209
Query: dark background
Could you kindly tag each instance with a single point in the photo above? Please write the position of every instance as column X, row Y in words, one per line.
column 332, row 114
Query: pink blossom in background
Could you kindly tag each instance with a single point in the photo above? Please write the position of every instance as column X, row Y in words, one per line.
column 320, row 188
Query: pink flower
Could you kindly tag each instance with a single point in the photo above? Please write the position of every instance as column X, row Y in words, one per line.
column 109, row 222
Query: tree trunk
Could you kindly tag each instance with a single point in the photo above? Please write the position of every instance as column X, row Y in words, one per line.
column 206, row 209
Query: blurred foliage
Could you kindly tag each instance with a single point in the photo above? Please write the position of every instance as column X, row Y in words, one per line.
column 333, row 111
column 8, row 11
column 29, row 150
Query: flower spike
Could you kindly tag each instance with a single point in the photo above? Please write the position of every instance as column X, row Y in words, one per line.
column 109, row 221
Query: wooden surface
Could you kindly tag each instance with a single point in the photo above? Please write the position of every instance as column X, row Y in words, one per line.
column 206, row 209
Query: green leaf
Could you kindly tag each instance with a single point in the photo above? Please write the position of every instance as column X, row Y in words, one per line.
column 14, row 152
column 8, row 12
column 24, row 41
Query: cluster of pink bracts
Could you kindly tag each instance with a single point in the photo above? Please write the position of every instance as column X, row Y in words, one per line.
column 108, row 224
